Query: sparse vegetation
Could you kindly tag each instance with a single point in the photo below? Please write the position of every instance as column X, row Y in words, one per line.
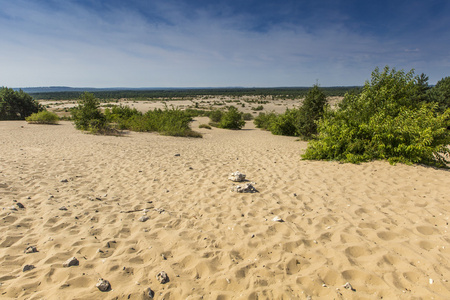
column 87, row 116
column 301, row 121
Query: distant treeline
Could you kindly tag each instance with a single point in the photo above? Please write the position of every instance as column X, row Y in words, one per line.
column 285, row 92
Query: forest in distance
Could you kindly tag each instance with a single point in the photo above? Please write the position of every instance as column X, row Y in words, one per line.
column 183, row 93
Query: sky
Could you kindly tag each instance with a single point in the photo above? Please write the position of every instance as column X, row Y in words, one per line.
column 219, row 43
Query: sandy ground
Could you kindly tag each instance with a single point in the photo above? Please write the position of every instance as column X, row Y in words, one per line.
column 382, row 228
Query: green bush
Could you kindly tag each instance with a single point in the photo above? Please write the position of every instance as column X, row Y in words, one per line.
column 215, row 115
column 87, row 115
column 247, row 117
column 43, row 117
column 171, row 122
column 17, row 105
column 384, row 121
column 440, row 94
column 259, row 107
column 265, row 120
column 297, row 121
column 232, row 119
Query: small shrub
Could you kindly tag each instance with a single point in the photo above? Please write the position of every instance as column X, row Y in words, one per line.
column 265, row 120
column 247, row 117
column 259, row 107
column 87, row 115
column 43, row 117
column 232, row 119
column 215, row 115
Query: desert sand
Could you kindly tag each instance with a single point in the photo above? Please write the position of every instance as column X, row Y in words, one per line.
column 381, row 228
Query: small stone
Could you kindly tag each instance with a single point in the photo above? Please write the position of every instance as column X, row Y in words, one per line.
column 64, row 180
column 149, row 293
column 71, row 262
column 178, row 154
column 143, row 218
column 246, row 188
column 431, row 281
column 162, row 277
column 277, row 219
column 348, row 286
column 31, row 249
column 63, row 208
column 103, row 285
column 20, row 205
column 13, row 208
column 28, row 268
column 236, row 176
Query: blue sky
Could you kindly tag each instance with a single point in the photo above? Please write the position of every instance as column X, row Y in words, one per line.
column 217, row 43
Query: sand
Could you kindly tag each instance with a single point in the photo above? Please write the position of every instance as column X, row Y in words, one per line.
column 382, row 228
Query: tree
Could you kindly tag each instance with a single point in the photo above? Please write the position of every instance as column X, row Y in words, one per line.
column 384, row 121
column 16, row 105
column 87, row 115
column 311, row 112
column 440, row 94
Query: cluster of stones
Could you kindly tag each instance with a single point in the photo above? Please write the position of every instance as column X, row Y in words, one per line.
column 242, row 188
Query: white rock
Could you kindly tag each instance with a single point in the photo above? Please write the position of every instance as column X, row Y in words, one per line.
column 236, row 176
column 71, row 262
column 277, row 219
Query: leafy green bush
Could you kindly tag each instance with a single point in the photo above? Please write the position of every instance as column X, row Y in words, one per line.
column 121, row 115
column 171, row 122
column 384, row 121
column 265, row 120
column 440, row 93
column 87, row 115
column 232, row 119
column 286, row 124
column 16, row 105
column 43, row 117
column 259, row 107
column 247, row 117
column 297, row 121
column 215, row 115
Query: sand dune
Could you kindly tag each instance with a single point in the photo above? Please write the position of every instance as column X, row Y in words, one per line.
column 382, row 228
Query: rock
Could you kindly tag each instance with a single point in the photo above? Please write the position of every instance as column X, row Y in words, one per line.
column 246, row 188
column 277, row 219
column 162, row 277
column 148, row 292
column 20, row 205
column 64, row 180
column 103, row 285
column 31, row 249
column 63, row 208
column 143, row 218
column 28, row 268
column 236, row 176
column 13, row 208
column 71, row 262
column 178, row 154
column 348, row 286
